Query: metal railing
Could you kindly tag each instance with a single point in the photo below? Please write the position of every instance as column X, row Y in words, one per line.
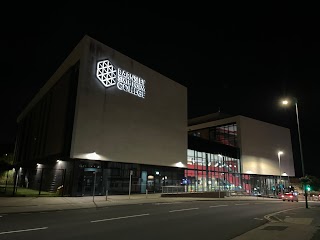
column 173, row 189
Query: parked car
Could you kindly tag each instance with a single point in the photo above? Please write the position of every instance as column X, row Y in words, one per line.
column 289, row 197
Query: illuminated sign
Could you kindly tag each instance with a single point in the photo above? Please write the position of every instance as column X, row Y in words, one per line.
column 109, row 76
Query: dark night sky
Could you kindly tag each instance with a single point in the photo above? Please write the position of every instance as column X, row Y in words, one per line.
column 240, row 64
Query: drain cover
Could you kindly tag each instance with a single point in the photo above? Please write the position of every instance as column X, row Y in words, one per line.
column 277, row 228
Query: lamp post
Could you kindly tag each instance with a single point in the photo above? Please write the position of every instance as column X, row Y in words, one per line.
column 131, row 172
column 279, row 158
column 286, row 102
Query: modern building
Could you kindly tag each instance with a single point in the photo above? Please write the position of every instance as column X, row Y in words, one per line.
column 100, row 117
column 106, row 123
column 241, row 154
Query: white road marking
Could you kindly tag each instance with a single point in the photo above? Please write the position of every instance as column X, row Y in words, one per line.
column 24, row 230
column 165, row 203
column 278, row 219
column 186, row 209
column 110, row 219
column 239, row 204
column 259, row 203
column 219, row 206
column 268, row 216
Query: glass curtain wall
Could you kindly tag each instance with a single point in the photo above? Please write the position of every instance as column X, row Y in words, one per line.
column 217, row 172
column 225, row 134
column 212, row 172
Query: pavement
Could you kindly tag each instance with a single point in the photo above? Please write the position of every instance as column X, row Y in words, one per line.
column 298, row 223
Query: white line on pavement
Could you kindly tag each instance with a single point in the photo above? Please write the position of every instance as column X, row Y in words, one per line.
column 219, row 206
column 239, row 204
column 166, row 203
column 24, row 230
column 186, row 209
column 110, row 219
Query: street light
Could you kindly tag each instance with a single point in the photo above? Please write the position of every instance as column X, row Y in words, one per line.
column 286, row 102
column 279, row 158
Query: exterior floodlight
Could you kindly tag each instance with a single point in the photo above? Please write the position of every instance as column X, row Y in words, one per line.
column 279, row 158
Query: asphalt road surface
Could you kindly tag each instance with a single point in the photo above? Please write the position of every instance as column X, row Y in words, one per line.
column 219, row 220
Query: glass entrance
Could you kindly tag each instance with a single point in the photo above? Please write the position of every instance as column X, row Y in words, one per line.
column 92, row 182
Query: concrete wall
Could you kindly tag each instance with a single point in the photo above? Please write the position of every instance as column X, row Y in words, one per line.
column 260, row 143
column 122, row 127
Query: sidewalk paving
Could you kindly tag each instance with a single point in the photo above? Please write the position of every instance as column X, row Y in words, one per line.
column 300, row 223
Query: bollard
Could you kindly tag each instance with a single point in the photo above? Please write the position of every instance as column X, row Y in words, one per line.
column 106, row 195
column 146, row 193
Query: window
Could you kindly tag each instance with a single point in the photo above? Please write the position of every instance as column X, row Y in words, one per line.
column 225, row 134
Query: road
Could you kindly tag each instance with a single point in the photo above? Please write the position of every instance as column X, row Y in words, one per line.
column 174, row 220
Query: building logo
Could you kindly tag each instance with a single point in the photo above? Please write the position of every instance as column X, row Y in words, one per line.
column 109, row 76
column 106, row 73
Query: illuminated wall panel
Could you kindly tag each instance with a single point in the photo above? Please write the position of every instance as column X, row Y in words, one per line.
column 260, row 143
column 127, row 112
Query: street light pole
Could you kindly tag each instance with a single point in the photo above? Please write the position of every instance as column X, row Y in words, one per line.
column 131, row 172
column 285, row 102
column 94, row 185
column 279, row 158
column 301, row 155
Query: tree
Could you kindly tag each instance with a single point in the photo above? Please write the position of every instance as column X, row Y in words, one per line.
column 305, row 181
column 315, row 183
column 311, row 181
column 6, row 162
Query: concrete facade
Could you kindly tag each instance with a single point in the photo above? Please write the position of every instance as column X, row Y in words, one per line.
column 103, row 117
column 260, row 144
column 122, row 127
column 116, row 125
